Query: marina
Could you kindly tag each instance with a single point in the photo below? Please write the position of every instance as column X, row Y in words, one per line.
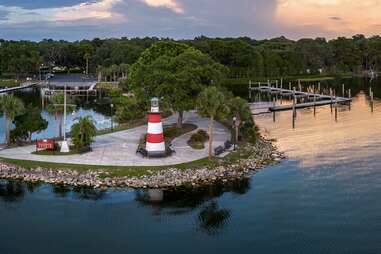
column 299, row 98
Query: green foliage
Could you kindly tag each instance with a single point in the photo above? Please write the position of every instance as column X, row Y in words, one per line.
column 174, row 72
column 244, row 57
column 56, row 106
column 127, row 109
column 173, row 131
column 9, row 83
column 245, row 126
column 198, row 139
column 28, row 123
column 200, row 136
column 11, row 107
column 212, row 103
column 83, row 132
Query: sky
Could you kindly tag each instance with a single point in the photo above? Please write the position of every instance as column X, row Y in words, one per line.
column 258, row 19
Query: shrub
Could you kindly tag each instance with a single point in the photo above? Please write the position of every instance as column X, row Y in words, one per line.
column 83, row 133
column 198, row 139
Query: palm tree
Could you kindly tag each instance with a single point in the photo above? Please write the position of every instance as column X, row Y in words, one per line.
column 83, row 132
column 56, row 106
column 87, row 57
column 241, row 111
column 212, row 103
column 11, row 107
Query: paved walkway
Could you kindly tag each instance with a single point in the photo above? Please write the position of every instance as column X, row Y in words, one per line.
column 119, row 148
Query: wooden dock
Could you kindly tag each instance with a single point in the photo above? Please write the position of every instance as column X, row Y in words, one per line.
column 22, row 86
column 313, row 99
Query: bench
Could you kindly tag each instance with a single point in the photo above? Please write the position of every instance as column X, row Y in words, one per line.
column 143, row 152
column 218, row 150
column 228, row 145
column 85, row 149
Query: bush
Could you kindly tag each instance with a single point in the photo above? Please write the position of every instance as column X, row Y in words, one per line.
column 198, row 139
column 83, row 132
column 249, row 132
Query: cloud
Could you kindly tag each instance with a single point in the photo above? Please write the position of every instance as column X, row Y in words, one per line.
column 170, row 4
column 355, row 16
column 336, row 18
column 83, row 11
column 77, row 19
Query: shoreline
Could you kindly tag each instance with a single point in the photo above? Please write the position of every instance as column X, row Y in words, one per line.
column 262, row 154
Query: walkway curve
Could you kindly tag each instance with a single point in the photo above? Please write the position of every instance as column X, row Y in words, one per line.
column 119, row 148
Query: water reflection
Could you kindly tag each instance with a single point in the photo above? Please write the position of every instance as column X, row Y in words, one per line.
column 12, row 191
column 86, row 107
column 321, row 140
column 212, row 219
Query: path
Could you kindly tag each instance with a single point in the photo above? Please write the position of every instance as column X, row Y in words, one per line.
column 119, row 148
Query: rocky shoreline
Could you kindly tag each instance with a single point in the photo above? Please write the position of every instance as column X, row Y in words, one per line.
column 262, row 154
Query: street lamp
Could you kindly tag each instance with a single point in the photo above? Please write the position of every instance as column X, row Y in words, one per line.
column 235, row 134
column 112, row 111
column 64, row 145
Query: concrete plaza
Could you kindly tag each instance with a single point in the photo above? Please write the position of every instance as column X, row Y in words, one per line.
column 119, row 148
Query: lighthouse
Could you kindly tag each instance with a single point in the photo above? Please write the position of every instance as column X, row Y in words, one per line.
column 155, row 145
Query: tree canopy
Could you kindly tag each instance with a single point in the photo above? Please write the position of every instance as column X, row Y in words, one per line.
column 176, row 73
column 244, row 57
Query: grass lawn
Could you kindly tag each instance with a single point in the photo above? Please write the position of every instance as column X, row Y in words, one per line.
column 114, row 171
column 55, row 153
column 129, row 171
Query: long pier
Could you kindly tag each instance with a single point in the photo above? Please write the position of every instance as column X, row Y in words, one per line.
column 314, row 99
column 22, row 86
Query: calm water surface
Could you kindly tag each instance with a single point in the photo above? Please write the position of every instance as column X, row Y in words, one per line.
column 91, row 107
column 323, row 199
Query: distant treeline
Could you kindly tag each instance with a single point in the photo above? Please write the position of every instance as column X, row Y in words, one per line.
column 245, row 57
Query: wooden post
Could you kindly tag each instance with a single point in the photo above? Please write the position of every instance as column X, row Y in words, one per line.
column 314, row 100
column 281, row 83
column 293, row 108
column 274, row 111
column 330, row 94
column 335, row 107
column 371, row 99
column 300, row 85
column 350, row 98
column 268, row 83
column 343, row 90
column 289, row 86
column 250, row 90
column 319, row 87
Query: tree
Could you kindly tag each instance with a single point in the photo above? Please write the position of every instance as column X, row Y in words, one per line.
column 28, row 123
column 176, row 73
column 83, row 132
column 212, row 103
column 241, row 111
column 56, row 106
column 11, row 107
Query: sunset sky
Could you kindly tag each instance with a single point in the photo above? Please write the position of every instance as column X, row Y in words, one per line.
column 78, row 19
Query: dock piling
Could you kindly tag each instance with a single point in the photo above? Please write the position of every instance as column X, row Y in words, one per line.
column 293, row 108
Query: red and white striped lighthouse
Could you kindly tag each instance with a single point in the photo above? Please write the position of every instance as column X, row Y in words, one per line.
column 155, row 145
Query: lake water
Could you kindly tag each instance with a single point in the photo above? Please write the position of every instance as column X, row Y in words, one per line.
column 91, row 107
column 323, row 199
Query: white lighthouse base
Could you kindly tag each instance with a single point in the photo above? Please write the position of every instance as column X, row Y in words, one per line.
column 65, row 147
column 156, row 149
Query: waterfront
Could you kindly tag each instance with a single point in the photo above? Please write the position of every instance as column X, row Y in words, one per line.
column 99, row 113
column 322, row 199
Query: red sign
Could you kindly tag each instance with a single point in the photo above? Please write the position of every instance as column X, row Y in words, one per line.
column 46, row 144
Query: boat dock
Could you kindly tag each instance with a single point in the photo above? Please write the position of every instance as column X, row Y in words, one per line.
column 309, row 99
